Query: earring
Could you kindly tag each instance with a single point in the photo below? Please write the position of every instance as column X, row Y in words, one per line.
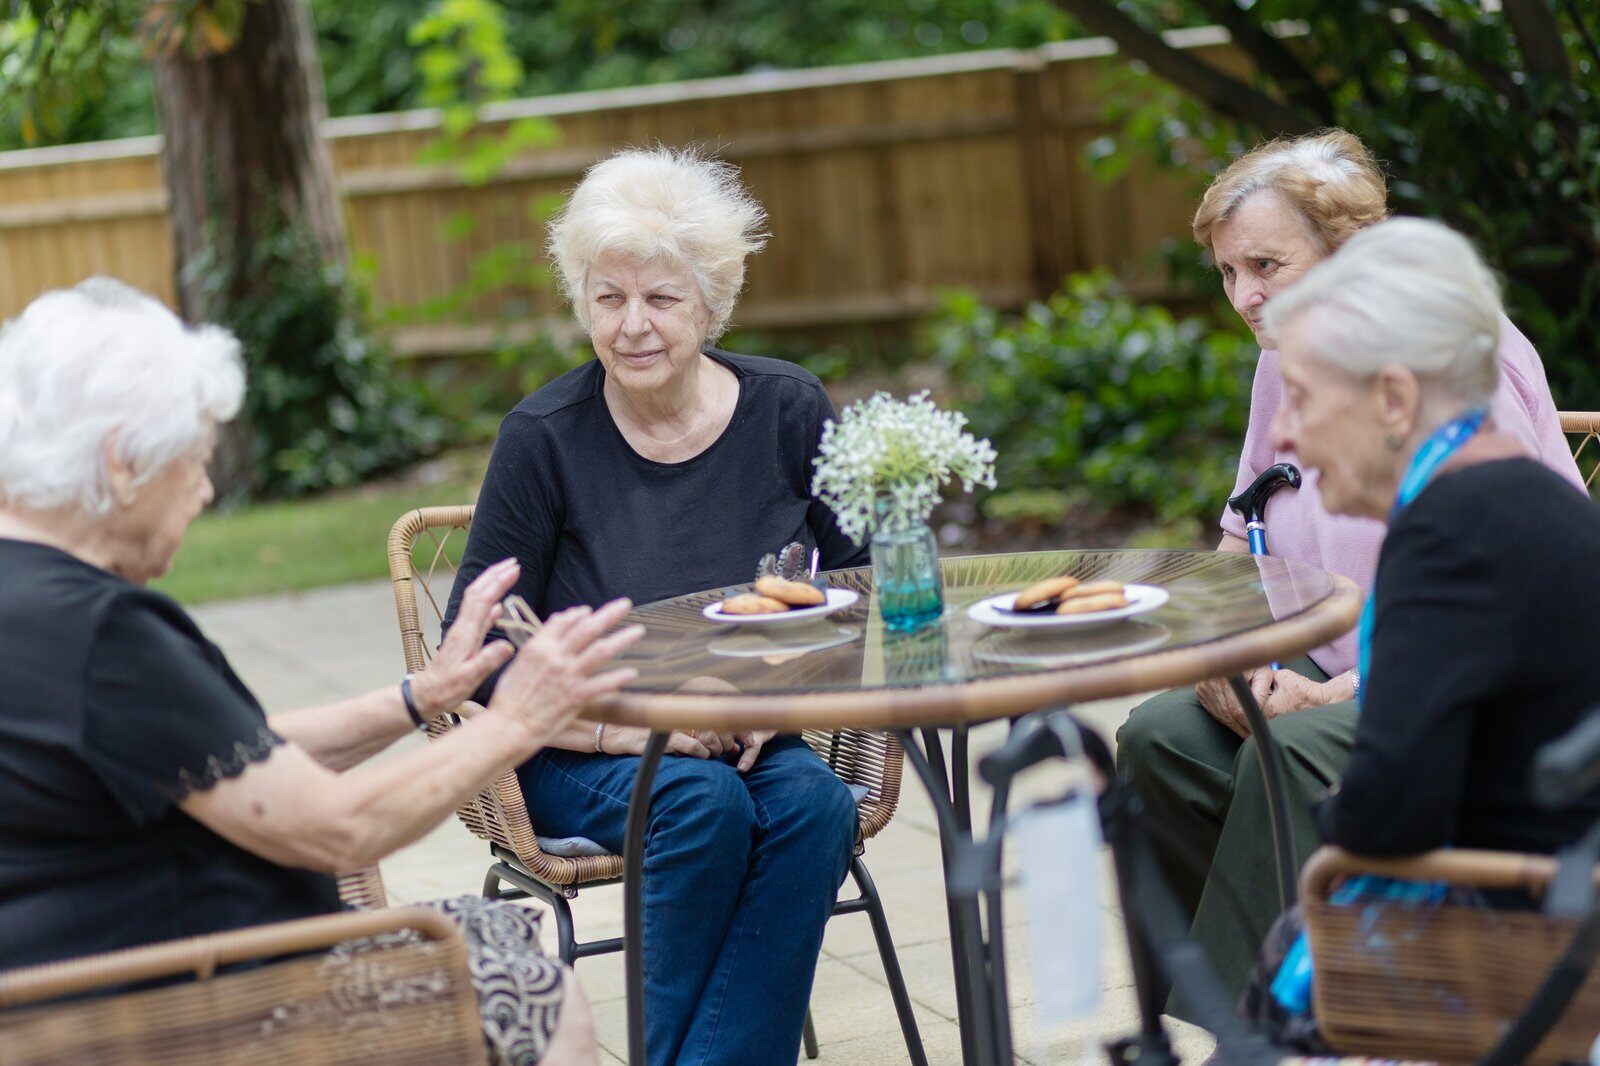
column 1393, row 442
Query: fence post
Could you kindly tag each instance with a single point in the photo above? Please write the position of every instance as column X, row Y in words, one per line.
column 1044, row 183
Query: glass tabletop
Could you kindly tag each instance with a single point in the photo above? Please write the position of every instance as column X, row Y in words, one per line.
column 1210, row 596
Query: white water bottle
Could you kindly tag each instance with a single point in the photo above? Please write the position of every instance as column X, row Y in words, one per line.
column 1058, row 853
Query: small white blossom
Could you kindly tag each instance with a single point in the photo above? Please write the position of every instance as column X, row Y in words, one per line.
column 884, row 462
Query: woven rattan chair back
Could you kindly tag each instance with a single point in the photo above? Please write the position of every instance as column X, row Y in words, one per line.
column 1442, row 983
column 425, row 548
column 406, row 998
column 1583, row 430
column 363, row 890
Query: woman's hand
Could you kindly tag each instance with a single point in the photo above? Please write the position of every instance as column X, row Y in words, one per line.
column 1216, row 696
column 464, row 661
column 752, row 742
column 630, row 740
column 554, row 676
column 1296, row 692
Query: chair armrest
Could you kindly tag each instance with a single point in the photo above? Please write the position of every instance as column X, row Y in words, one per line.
column 202, row 956
column 390, row 999
column 1458, row 866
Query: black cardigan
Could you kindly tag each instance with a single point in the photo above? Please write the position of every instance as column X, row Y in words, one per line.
column 1486, row 644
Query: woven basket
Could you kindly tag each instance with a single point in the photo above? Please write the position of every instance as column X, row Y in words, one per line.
column 1439, row 983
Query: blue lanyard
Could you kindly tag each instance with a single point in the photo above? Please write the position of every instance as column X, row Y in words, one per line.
column 1434, row 453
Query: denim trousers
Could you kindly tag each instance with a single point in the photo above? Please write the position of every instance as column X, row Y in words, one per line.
column 740, row 876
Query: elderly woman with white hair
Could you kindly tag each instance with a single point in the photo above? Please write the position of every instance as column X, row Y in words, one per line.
column 144, row 795
column 1477, row 644
column 1268, row 219
column 661, row 467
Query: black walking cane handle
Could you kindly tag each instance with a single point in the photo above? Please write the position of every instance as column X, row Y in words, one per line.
column 1251, row 504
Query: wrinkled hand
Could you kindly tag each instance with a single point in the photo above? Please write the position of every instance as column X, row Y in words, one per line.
column 1216, row 696
column 716, row 744
column 1294, row 692
column 464, row 660
column 752, row 741
column 554, row 676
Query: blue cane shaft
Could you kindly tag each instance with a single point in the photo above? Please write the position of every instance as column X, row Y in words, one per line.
column 1258, row 545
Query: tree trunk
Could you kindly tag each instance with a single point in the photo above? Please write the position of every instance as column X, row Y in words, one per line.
column 241, row 153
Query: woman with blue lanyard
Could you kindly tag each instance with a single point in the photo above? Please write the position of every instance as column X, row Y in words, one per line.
column 1477, row 645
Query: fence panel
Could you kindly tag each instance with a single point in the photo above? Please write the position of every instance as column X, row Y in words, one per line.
column 884, row 183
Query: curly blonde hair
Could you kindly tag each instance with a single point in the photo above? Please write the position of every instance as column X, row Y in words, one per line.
column 1328, row 177
column 667, row 203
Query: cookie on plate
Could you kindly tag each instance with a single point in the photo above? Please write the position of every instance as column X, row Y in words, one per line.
column 794, row 593
column 1104, row 601
column 753, row 603
column 1095, row 588
column 1047, row 589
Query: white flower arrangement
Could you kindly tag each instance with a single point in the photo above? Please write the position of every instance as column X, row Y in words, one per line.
column 884, row 462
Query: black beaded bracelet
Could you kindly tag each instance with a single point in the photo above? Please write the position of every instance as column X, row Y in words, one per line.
column 411, row 702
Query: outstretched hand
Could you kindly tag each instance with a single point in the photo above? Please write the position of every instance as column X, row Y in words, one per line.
column 464, row 661
column 556, row 674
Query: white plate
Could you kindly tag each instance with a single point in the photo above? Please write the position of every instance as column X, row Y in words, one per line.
column 995, row 611
column 1074, row 647
column 782, row 644
column 838, row 600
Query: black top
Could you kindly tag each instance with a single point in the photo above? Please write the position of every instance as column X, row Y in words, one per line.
column 590, row 519
column 113, row 708
column 1487, row 614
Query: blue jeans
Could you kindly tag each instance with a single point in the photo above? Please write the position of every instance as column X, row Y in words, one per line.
column 740, row 876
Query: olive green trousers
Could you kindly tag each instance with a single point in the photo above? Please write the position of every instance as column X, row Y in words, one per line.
column 1206, row 811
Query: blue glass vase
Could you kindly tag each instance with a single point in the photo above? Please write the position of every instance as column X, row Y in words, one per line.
column 905, row 566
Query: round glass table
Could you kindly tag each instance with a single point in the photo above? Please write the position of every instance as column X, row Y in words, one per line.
column 1225, row 613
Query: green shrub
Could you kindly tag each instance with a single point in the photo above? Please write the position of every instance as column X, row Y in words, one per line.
column 1101, row 398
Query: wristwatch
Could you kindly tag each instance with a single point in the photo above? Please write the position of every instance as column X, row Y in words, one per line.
column 411, row 702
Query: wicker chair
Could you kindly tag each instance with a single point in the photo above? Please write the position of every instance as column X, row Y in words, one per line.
column 1441, row 983
column 424, row 548
column 1585, row 425
column 409, row 1001
column 363, row 890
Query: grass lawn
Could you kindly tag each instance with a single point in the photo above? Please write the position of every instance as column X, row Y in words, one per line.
column 289, row 545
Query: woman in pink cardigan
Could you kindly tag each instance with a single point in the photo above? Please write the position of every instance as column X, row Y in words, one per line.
column 1267, row 219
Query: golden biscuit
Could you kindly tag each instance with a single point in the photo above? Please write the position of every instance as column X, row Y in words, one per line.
column 794, row 593
column 1105, row 601
column 750, row 603
column 1048, row 589
column 1094, row 588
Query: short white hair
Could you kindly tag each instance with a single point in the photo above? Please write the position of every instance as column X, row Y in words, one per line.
column 664, row 204
column 80, row 365
column 1409, row 292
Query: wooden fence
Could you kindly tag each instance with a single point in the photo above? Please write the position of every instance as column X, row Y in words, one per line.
column 885, row 182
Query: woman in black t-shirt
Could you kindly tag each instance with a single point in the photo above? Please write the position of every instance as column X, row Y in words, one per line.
column 143, row 793
column 665, row 466
column 1476, row 647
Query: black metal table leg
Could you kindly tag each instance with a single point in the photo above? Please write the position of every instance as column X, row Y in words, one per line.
column 967, row 949
column 633, row 892
column 1271, row 757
